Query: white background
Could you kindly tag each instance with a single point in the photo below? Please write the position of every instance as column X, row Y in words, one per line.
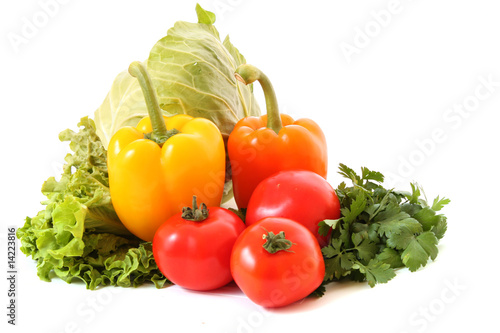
column 391, row 106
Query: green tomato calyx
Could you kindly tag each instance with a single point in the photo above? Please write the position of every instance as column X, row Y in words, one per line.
column 275, row 243
column 196, row 213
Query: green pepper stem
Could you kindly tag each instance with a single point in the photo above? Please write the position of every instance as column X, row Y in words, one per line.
column 160, row 133
column 248, row 74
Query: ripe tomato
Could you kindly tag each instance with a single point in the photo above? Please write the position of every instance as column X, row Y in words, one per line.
column 302, row 196
column 280, row 278
column 196, row 254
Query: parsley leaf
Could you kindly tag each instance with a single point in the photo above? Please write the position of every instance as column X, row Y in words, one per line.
column 401, row 240
column 391, row 257
column 326, row 225
column 356, row 208
column 372, row 175
column 393, row 221
column 365, row 248
column 349, row 173
column 375, row 272
column 438, row 204
column 440, row 228
column 415, row 193
column 380, row 230
column 419, row 250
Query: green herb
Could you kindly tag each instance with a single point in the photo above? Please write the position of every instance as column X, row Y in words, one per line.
column 380, row 230
column 78, row 235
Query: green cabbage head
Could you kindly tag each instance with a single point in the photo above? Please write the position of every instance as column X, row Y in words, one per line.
column 193, row 73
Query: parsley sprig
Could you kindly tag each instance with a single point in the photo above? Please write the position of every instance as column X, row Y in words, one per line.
column 380, row 230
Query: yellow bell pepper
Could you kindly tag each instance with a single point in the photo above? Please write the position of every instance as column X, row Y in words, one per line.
column 155, row 168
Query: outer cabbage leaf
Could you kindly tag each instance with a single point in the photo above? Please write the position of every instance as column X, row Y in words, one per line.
column 124, row 105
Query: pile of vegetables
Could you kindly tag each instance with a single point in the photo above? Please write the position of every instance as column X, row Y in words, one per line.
column 139, row 200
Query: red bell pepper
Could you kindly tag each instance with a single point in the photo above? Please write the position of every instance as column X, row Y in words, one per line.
column 261, row 146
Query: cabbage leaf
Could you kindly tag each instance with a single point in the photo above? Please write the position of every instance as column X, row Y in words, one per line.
column 124, row 105
column 193, row 73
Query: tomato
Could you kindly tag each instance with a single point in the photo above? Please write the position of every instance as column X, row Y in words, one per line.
column 302, row 196
column 196, row 254
column 280, row 278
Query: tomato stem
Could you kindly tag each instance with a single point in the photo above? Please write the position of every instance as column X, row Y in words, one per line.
column 196, row 213
column 275, row 243
column 248, row 74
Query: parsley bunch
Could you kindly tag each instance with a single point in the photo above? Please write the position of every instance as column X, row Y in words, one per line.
column 380, row 230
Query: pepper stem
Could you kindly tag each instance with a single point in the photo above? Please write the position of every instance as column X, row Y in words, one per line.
column 160, row 133
column 248, row 74
column 195, row 214
column 275, row 243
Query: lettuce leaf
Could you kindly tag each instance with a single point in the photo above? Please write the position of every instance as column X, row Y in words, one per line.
column 78, row 235
column 193, row 73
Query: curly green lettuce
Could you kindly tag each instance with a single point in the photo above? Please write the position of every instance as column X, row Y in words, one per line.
column 78, row 235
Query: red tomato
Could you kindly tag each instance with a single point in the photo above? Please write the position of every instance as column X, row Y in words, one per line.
column 196, row 254
column 280, row 278
column 302, row 196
